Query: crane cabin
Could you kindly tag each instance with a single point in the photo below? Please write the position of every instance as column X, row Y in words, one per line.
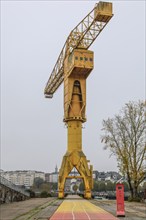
column 79, row 63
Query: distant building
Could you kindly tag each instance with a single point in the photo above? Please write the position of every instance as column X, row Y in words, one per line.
column 22, row 177
column 95, row 174
column 101, row 176
column 47, row 177
column 26, row 177
column 105, row 176
column 52, row 177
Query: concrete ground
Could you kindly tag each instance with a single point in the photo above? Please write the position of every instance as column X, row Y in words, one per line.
column 33, row 209
column 133, row 210
column 43, row 208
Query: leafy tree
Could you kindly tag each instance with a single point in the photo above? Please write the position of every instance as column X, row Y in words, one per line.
column 102, row 186
column 114, row 186
column 75, row 188
column 124, row 136
column 126, row 187
column 109, row 186
column 95, row 186
column 54, row 186
column 38, row 182
column 82, row 187
column 144, row 186
column 44, row 194
column 44, row 187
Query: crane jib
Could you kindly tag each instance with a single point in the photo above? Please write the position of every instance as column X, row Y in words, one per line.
column 81, row 37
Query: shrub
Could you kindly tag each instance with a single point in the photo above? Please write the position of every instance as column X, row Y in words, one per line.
column 44, row 194
column 136, row 199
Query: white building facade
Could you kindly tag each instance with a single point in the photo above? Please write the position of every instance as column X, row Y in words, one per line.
column 23, row 177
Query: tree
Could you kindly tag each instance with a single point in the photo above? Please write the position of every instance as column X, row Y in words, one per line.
column 54, row 186
column 126, row 187
column 102, row 186
column 44, row 187
column 44, row 194
column 95, row 186
column 75, row 188
column 82, row 187
column 109, row 186
column 124, row 135
column 38, row 182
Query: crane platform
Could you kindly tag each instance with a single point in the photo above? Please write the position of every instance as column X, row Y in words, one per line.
column 75, row 208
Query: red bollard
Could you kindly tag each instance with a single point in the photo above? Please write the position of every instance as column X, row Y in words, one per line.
column 120, row 199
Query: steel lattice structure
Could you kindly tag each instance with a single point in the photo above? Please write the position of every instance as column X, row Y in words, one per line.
column 82, row 36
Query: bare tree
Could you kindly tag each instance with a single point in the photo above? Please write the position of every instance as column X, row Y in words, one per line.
column 125, row 136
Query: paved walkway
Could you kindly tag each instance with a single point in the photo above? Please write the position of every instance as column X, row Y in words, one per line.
column 74, row 208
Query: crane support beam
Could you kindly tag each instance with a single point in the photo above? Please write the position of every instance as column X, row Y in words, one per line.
column 82, row 36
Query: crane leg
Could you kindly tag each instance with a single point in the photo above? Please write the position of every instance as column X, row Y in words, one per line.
column 64, row 171
column 78, row 160
column 86, row 173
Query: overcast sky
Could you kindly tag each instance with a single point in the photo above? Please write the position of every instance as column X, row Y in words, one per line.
column 33, row 135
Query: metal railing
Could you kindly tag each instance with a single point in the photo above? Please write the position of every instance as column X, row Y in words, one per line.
column 10, row 185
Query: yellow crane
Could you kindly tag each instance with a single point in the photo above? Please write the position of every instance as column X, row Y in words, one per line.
column 73, row 66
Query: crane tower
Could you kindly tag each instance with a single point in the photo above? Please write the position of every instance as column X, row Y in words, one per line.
column 73, row 66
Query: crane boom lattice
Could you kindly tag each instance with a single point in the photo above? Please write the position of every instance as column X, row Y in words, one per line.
column 82, row 36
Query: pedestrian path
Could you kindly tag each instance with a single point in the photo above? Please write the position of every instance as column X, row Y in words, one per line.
column 80, row 209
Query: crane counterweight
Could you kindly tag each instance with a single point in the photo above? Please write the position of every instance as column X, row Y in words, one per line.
column 103, row 11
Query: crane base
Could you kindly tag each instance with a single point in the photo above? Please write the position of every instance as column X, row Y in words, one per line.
column 78, row 160
column 87, row 194
column 61, row 194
